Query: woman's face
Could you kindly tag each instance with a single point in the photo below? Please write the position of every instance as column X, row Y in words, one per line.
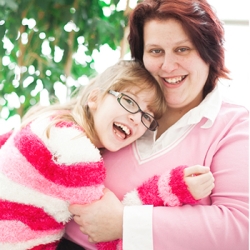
column 172, row 59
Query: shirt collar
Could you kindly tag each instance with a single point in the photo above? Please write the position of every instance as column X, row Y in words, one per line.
column 208, row 108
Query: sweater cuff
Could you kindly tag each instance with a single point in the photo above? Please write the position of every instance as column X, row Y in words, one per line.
column 137, row 227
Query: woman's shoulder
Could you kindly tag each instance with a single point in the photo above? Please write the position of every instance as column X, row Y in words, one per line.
column 233, row 110
column 232, row 118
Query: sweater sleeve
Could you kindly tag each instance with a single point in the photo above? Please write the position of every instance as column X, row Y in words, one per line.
column 137, row 228
column 168, row 189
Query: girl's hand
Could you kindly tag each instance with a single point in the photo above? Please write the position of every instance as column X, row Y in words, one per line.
column 199, row 180
column 101, row 220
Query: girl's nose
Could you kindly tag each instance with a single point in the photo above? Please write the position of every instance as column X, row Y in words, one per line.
column 136, row 118
column 169, row 63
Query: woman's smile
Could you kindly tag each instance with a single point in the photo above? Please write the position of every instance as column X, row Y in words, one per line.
column 174, row 80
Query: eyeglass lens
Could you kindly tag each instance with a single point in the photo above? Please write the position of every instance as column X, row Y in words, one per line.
column 130, row 105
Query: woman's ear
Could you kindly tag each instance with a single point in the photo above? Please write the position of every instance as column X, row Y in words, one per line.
column 93, row 98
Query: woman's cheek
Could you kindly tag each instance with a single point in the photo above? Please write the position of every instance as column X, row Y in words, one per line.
column 149, row 65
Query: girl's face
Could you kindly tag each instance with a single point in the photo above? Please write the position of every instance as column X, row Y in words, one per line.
column 115, row 126
column 172, row 59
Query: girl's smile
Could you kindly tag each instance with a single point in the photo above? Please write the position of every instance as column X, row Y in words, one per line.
column 121, row 117
column 121, row 130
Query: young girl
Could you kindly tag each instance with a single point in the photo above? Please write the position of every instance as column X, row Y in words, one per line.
column 53, row 160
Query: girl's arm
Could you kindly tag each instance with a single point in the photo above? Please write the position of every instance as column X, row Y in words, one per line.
column 181, row 185
column 4, row 138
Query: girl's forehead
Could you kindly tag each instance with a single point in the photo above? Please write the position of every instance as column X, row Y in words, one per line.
column 145, row 94
column 136, row 89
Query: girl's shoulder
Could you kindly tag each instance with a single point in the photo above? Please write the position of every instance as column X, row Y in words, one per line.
column 65, row 139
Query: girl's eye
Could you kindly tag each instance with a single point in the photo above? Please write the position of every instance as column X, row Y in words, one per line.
column 147, row 117
column 129, row 102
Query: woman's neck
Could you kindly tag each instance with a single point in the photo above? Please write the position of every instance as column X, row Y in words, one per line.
column 170, row 117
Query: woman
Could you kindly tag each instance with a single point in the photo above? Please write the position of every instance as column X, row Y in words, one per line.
column 181, row 44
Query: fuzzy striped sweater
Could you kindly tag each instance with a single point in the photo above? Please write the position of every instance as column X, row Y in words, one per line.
column 39, row 178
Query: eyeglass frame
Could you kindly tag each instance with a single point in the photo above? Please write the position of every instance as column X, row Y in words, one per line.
column 119, row 95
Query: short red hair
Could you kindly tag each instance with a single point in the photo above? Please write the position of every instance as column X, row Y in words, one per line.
column 199, row 21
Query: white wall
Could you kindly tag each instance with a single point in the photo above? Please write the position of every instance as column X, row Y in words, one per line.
column 235, row 15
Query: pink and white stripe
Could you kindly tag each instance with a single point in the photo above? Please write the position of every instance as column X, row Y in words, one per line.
column 37, row 183
column 168, row 189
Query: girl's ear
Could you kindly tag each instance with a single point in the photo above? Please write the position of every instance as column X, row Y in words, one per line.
column 93, row 98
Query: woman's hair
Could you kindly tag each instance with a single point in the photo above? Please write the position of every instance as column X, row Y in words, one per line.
column 123, row 75
column 198, row 20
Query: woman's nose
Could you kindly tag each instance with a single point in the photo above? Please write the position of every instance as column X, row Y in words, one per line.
column 169, row 63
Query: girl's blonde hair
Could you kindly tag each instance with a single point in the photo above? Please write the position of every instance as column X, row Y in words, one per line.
column 122, row 75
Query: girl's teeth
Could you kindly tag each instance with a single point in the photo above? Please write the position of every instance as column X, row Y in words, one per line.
column 124, row 128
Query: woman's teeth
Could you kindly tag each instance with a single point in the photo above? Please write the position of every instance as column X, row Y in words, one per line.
column 174, row 80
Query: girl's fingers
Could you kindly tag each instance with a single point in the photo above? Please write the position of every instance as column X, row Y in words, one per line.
column 195, row 170
column 203, row 178
column 201, row 185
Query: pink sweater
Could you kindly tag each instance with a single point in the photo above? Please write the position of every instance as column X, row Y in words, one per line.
column 219, row 139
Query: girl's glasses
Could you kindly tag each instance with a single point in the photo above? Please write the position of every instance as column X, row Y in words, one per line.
column 132, row 107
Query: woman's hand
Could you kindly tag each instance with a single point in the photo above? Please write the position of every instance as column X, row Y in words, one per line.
column 200, row 181
column 101, row 220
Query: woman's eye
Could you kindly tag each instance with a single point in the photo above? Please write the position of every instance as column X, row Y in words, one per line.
column 182, row 49
column 156, row 51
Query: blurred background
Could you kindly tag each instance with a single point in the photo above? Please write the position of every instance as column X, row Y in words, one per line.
column 50, row 47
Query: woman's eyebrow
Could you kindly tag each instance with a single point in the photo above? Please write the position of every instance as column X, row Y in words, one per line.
column 176, row 43
column 183, row 41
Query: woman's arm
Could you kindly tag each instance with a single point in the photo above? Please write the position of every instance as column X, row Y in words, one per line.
column 155, row 191
column 219, row 223
column 101, row 220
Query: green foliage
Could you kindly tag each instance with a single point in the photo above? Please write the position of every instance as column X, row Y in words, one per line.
column 26, row 26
